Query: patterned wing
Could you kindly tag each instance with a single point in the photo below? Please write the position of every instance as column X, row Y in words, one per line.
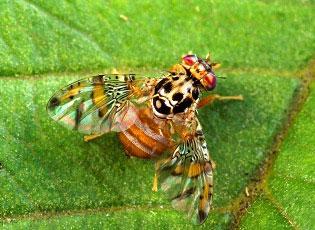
column 187, row 177
column 96, row 105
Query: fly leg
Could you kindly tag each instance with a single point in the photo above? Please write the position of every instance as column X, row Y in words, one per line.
column 155, row 183
column 88, row 138
column 155, row 178
column 211, row 98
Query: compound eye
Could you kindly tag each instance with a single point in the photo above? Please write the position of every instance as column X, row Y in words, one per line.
column 190, row 59
column 209, row 81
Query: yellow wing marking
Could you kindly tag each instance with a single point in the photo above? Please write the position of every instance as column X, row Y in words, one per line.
column 178, row 170
column 194, row 170
column 73, row 90
column 204, row 197
column 98, row 97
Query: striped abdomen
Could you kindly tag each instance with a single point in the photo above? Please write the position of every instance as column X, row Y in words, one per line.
column 145, row 138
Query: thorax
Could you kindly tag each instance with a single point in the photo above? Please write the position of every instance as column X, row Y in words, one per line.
column 174, row 95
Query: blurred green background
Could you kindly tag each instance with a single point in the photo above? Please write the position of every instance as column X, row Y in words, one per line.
column 264, row 147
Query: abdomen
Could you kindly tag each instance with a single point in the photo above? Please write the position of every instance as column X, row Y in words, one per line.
column 146, row 138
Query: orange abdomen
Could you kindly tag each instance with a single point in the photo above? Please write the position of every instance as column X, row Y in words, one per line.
column 146, row 138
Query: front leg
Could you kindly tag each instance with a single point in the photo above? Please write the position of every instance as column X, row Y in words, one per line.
column 211, row 98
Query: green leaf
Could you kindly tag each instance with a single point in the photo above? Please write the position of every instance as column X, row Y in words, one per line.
column 264, row 214
column 54, row 171
column 42, row 36
column 131, row 219
column 291, row 183
column 51, row 178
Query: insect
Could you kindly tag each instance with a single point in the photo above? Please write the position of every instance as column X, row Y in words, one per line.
column 156, row 118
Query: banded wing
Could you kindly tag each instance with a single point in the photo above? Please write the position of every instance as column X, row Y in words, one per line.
column 187, row 177
column 96, row 105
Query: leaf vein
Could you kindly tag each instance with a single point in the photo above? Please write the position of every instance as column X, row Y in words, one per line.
column 66, row 24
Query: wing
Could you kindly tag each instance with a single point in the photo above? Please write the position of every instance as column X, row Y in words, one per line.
column 98, row 104
column 187, row 177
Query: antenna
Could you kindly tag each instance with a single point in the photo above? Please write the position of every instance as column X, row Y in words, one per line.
column 208, row 57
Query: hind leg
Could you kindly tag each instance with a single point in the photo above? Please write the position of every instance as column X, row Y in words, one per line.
column 158, row 163
column 155, row 183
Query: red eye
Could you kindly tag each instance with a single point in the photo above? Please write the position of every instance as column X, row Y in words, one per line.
column 209, row 81
column 190, row 60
